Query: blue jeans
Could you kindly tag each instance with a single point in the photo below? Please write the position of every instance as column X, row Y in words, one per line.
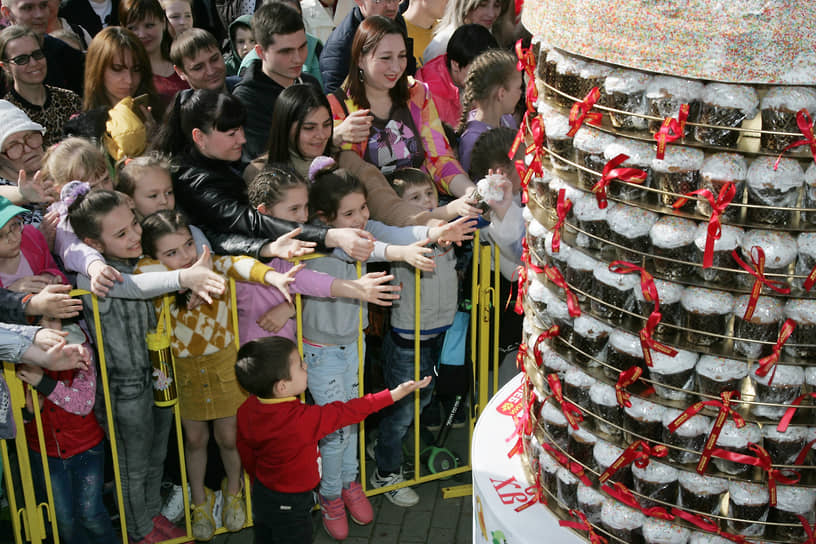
column 77, row 486
column 333, row 376
column 398, row 367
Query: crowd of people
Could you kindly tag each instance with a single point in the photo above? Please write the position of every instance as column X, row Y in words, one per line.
column 151, row 148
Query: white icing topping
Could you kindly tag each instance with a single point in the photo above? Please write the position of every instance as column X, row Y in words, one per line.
column 626, row 81
column 799, row 500
column 702, row 485
column 810, row 174
column 566, row 476
column 588, row 495
column 658, row 531
column 582, row 435
column 622, row 282
column 655, row 472
column 555, row 56
column 592, row 140
column 801, row 310
column 552, row 414
column 602, row 394
column 579, row 260
column 546, row 461
column 538, row 292
column 746, row 493
column 684, row 90
column 707, row 538
column 792, row 99
column 536, row 229
column 589, row 327
column 630, row 221
column 558, row 309
column 721, row 369
column 667, row 291
column 579, row 378
column 730, row 237
column 739, row 97
column 768, row 309
column 594, row 70
column 605, row 453
column 672, row 232
column 665, row 364
column 707, row 301
column 640, row 153
column 779, row 247
column 563, row 248
column 679, row 159
column 645, row 410
column 787, row 177
column 626, row 343
column 568, row 64
column 724, row 167
column 620, row 517
column 791, row 434
column 733, row 437
column 785, row 375
column 556, row 125
column 806, row 244
column 693, row 426
column 554, row 362
column 570, row 192
column 586, row 208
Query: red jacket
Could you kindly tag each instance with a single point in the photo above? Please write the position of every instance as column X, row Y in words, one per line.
column 35, row 250
column 445, row 94
column 277, row 438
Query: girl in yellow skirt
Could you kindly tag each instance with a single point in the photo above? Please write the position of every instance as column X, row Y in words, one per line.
column 205, row 355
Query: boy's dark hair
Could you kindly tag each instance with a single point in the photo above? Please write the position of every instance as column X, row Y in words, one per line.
column 468, row 42
column 189, row 43
column 275, row 18
column 408, row 177
column 490, row 151
column 271, row 185
column 262, row 363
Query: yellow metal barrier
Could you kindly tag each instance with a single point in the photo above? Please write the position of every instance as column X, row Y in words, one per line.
column 29, row 519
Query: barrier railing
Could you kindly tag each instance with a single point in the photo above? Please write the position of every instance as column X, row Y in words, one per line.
column 30, row 519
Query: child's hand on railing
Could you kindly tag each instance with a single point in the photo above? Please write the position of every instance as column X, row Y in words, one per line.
column 282, row 281
column 376, row 288
column 61, row 356
column 102, row 277
column 406, row 388
column 46, row 339
column 453, row 232
column 30, row 374
column 200, row 278
column 54, row 301
column 414, row 254
column 288, row 246
column 357, row 243
column 276, row 317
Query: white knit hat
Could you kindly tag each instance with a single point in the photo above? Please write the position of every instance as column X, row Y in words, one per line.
column 14, row 120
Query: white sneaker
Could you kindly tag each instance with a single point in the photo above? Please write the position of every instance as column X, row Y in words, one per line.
column 217, row 507
column 403, row 496
column 173, row 508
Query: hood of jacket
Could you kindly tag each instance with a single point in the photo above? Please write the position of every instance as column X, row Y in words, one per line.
column 243, row 20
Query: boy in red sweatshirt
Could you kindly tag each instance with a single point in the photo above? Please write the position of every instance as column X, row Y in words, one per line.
column 278, row 435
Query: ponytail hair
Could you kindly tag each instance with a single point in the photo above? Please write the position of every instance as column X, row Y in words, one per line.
column 329, row 185
column 88, row 208
column 271, row 185
column 489, row 71
column 159, row 224
column 130, row 171
column 203, row 109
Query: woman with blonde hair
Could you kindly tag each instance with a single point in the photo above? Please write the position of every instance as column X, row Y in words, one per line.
column 463, row 12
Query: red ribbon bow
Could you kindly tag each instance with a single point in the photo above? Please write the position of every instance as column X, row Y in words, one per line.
column 707, row 524
column 725, row 411
column 763, row 461
column 554, row 275
column 611, row 171
column 639, row 453
column 527, row 259
column 521, row 289
column 527, row 64
column 648, row 343
column 571, row 412
column 523, row 427
column 564, row 461
column 583, row 525
column 671, row 130
column 647, row 284
column 521, row 354
column 562, row 208
column 769, row 362
column 618, row 491
column 625, row 379
column 809, row 530
column 786, row 419
column 525, row 173
column 718, row 206
column 580, row 112
column 758, row 272
column 552, row 332
column 805, row 125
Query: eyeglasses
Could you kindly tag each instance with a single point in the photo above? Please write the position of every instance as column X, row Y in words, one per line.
column 22, row 60
column 15, row 226
column 32, row 140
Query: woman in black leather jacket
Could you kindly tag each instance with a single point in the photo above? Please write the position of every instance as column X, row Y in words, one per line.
column 204, row 134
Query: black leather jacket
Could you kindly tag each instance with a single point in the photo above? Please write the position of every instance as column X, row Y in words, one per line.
column 214, row 196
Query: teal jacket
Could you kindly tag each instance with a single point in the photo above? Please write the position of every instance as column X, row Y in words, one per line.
column 311, row 66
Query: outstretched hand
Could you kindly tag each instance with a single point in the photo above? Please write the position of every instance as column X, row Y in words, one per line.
column 357, row 243
column 454, row 232
column 288, row 246
column 282, row 281
column 416, row 255
column 406, row 388
column 201, row 279
column 54, row 301
column 377, row 289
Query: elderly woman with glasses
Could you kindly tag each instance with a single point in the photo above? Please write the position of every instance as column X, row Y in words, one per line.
column 21, row 153
column 23, row 60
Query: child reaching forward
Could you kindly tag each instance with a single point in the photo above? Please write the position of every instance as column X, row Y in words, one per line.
column 278, row 435
column 204, row 350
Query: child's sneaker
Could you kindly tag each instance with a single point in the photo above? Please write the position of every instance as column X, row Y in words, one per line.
column 217, row 508
column 234, row 513
column 334, row 517
column 357, row 504
column 403, row 496
column 173, row 508
column 203, row 524
column 167, row 529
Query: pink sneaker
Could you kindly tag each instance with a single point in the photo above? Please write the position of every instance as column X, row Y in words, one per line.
column 334, row 517
column 152, row 537
column 357, row 503
column 166, row 528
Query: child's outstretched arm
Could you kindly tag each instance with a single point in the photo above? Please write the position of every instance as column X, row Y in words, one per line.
column 282, row 281
column 414, row 254
column 374, row 287
column 406, row 388
column 453, row 232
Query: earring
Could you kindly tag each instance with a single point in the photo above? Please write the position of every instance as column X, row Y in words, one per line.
column 360, row 74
